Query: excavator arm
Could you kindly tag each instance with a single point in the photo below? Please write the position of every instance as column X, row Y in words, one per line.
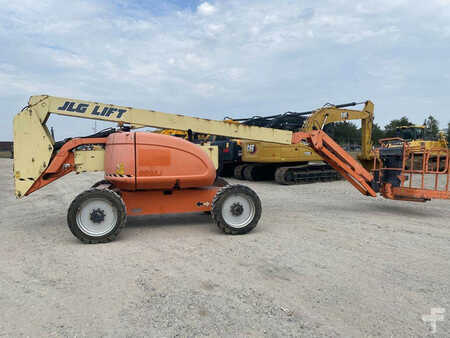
column 331, row 114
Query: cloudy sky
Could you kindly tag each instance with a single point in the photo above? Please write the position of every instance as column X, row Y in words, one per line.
column 230, row 57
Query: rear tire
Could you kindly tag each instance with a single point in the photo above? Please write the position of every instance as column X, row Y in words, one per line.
column 96, row 216
column 236, row 209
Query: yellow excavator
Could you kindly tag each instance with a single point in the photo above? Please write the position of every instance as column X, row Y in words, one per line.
column 415, row 135
column 298, row 163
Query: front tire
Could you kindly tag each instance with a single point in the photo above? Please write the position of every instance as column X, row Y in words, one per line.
column 102, row 183
column 236, row 209
column 96, row 216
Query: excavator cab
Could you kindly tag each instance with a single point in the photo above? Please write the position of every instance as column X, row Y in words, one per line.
column 411, row 133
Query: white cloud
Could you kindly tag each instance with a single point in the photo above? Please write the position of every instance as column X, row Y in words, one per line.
column 206, row 8
column 69, row 60
column 205, row 89
column 254, row 58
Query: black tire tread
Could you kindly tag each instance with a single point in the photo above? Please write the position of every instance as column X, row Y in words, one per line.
column 220, row 182
column 101, row 182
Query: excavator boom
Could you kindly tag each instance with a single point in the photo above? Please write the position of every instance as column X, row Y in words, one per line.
column 331, row 114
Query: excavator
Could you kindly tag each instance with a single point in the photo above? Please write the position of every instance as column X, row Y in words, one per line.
column 298, row 163
column 148, row 173
column 415, row 135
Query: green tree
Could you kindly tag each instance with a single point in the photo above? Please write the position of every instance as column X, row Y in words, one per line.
column 344, row 132
column 431, row 127
column 448, row 133
column 377, row 133
column 390, row 128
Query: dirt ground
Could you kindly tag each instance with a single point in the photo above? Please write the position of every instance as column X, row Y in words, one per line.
column 323, row 261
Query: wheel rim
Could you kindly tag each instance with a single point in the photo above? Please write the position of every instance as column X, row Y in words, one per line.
column 96, row 217
column 238, row 210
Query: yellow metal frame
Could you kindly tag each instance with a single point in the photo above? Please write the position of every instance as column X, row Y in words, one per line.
column 213, row 153
column 45, row 105
column 89, row 160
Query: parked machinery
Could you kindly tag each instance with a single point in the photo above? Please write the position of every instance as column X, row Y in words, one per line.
column 147, row 173
column 417, row 138
column 298, row 163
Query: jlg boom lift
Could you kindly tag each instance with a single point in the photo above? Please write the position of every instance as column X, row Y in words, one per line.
column 149, row 173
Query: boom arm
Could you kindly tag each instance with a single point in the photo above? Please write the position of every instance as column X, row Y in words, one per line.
column 45, row 105
column 339, row 159
column 34, row 145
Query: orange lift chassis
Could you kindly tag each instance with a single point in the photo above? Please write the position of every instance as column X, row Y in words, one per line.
column 148, row 173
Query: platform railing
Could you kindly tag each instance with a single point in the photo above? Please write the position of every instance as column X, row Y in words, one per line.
column 421, row 168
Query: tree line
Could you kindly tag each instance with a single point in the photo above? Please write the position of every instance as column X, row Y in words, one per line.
column 349, row 133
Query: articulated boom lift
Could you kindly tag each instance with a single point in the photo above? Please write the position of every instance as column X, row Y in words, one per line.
column 149, row 173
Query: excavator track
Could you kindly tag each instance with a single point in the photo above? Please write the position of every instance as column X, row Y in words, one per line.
column 239, row 171
column 257, row 172
column 306, row 174
column 300, row 174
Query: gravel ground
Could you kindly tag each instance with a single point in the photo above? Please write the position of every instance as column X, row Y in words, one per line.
column 324, row 261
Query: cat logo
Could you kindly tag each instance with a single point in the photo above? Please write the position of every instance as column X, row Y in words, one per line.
column 344, row 115
column 251, row 148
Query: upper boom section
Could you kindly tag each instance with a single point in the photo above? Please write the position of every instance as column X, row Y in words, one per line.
column 45, row 105
column 34, row 144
